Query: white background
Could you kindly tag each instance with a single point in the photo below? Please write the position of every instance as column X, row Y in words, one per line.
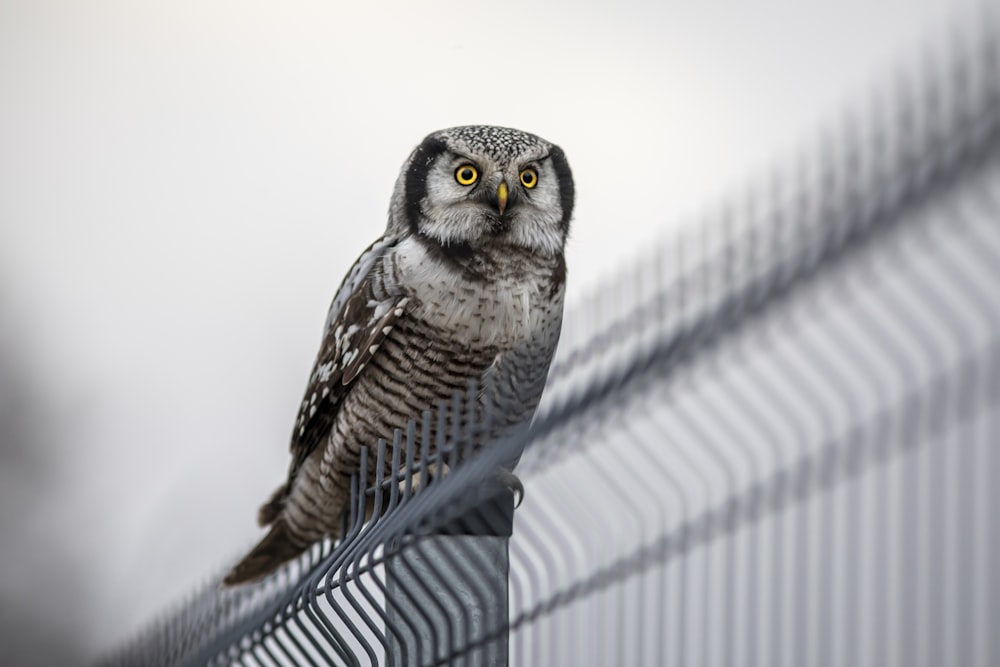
column 183, row 185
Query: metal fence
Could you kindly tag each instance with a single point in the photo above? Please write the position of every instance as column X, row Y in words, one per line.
column 775, row 440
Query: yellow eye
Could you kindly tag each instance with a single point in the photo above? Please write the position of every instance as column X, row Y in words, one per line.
column 529, row 178
column 466, row 174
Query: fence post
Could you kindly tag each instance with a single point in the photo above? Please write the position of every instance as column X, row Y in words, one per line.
column 448, row 590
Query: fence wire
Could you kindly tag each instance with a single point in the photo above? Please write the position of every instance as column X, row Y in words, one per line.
column 774, row 440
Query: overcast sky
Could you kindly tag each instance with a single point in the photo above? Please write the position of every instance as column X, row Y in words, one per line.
column 183, row 184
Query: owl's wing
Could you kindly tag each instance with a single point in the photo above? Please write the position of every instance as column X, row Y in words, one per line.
column 357, row 324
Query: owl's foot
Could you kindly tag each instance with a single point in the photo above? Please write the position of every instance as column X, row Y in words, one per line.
column 512, row 482
column 425, row 476
column 421, row 478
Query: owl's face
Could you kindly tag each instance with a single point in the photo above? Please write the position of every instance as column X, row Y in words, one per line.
column 481, row 187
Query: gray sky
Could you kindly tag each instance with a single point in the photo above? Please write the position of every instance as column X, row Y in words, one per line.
column 183, row 185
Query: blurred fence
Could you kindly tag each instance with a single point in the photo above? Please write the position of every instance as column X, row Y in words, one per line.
column 775, row 440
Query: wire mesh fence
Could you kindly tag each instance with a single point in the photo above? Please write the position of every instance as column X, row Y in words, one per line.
column 774, row 440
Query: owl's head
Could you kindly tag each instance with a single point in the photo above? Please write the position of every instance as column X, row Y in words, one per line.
column 480, row 187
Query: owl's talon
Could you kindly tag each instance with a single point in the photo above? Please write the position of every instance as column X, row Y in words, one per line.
column 432, row 472
column 512, row 482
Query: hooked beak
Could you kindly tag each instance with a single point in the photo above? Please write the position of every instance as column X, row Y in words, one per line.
column 502, row 196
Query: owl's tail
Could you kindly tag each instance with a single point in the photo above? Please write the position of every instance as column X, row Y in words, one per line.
column 276, row 548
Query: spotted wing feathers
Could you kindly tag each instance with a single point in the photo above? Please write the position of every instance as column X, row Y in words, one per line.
column 383, row 317
column 358, row 323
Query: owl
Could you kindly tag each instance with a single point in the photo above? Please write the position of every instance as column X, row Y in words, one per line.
column 466, row 284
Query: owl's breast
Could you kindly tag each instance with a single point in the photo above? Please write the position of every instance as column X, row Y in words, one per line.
column 500, row 304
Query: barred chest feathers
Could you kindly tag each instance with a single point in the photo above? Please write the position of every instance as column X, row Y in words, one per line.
column 511, row 300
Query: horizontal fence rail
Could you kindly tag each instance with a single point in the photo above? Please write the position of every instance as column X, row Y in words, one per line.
column 775, row 440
